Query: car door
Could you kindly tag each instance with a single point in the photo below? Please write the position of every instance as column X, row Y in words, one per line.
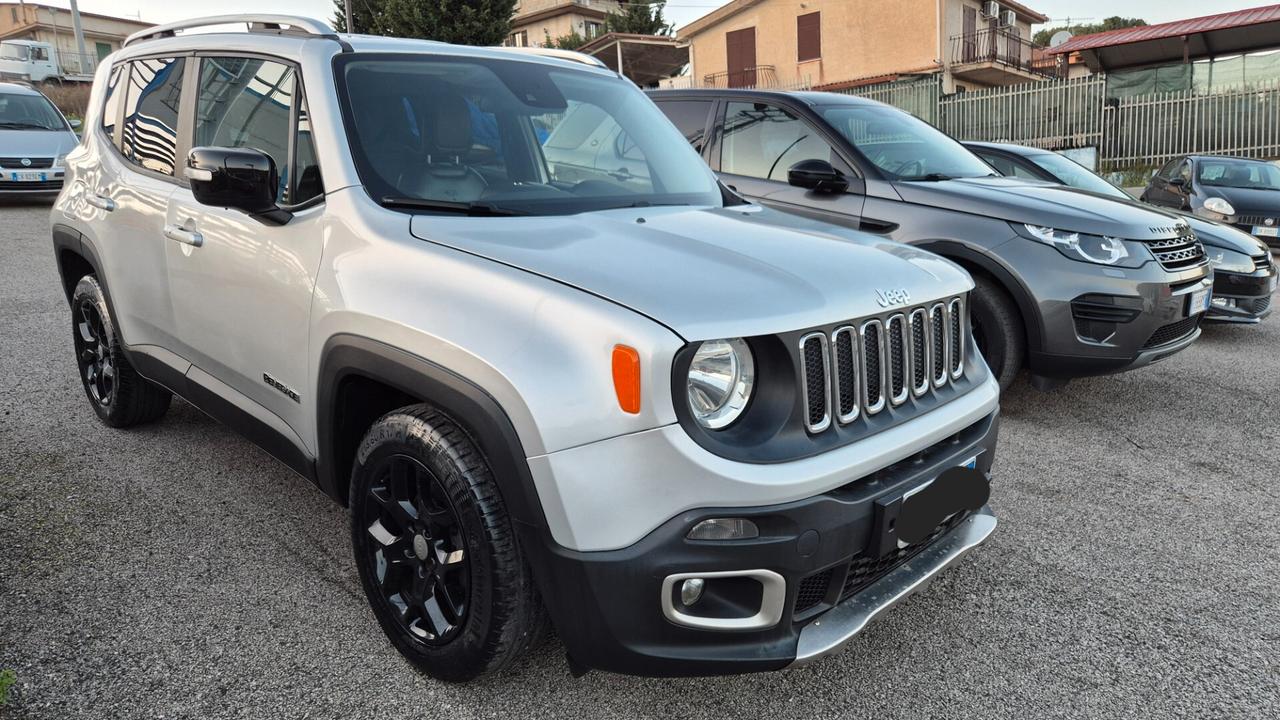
column 126, row 191
column 758, row 142
column 242, row 287
column 1161, row 191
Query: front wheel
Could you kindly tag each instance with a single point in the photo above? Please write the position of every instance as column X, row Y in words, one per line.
column 997, row 330
column 436, row 549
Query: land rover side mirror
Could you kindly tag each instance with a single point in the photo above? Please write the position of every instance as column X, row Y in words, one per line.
column 817, row 175
column 240, row 178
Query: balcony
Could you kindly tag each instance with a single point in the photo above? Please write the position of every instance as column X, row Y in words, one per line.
column 759, row 76
column 1000, row 57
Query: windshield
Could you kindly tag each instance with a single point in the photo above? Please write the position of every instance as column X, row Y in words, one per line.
column 13, row 52
column 1224, row 172
column 1076, row 175
column 28, row 112
column 903, row 146
column 498, row 137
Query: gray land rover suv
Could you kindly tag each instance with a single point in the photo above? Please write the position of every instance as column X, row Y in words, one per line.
column 701, row 436
column 1069, row 284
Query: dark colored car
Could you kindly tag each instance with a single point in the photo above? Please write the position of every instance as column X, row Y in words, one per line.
column 1244, row 276
column 1068, row 283
column 1238, row 191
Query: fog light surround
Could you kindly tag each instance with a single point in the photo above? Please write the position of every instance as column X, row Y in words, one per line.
column 773, row 596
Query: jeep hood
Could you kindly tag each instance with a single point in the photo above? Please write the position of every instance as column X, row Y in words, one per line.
column 1040, row 203
column 708, row 273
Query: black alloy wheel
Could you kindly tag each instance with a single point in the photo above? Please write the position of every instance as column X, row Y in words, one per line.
column 93, row 349
column 418, row 553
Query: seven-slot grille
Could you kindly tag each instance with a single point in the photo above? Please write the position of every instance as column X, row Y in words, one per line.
column 864, row 368
column 1178, row 253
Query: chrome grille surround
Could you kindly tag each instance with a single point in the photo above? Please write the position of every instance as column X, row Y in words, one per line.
column 851, row 387
column 921, row 347
column 938, row 344
column 873, row 395
column 806, row 372
column 955, row 338
column 898, row 355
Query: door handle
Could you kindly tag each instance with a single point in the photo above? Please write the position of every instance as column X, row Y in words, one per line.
column 100, row 202
column 183, row 235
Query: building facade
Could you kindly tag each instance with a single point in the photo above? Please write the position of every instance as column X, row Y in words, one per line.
column 539, row 22
column 841, row 43
column 103, row 34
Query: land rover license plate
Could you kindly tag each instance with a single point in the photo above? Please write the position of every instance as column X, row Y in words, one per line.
column 1199, row 301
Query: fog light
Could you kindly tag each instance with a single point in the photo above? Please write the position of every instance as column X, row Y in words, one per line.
column 1224, row 302
column 691, row 591
column 724, row 529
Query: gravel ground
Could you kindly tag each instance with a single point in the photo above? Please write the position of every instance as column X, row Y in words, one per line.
column 177, row 571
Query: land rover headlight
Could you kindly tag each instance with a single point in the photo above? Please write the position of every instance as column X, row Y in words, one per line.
column 721, row 378
column 1100, row 249
column 1219, row 205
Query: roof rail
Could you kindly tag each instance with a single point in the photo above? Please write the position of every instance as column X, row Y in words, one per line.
column 571, row 55
column 256, row 23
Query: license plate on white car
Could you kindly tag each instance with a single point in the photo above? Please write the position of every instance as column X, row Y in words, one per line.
column 28, row 176
column 1263, row 231
column 1199, row 301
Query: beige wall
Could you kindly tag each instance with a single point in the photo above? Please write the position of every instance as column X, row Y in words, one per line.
column 955, row 19
column 92, row 25
column 558, row 25
column 860, row 38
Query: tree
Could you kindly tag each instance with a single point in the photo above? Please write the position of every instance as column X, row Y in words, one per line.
column 463, row 22
column 1114, row 22
column 640, row 18
column 572, row 41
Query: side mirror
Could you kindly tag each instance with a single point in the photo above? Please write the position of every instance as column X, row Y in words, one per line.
column 75, row 124
column 817, row 175
column 1178, row 182
column 240, row 178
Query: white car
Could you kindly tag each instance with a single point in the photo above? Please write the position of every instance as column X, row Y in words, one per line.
column 34, row 141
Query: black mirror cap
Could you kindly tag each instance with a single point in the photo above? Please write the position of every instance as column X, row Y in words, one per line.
column 240, row 178
column 817, row 175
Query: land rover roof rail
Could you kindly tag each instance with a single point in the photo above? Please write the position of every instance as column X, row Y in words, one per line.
column 256, row 23
column 570, row 55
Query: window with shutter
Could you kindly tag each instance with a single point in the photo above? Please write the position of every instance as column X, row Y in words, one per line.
column 809, row 36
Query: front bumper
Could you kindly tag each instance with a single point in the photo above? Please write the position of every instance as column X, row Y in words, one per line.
column 1242, row 297
column 17, row 189
column 608, row 605
column 1098, row 320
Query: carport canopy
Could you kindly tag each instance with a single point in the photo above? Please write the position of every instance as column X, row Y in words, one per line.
column 645, row 59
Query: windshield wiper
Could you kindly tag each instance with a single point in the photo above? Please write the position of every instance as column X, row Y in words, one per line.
column 931, row 177
column 33, row 126
column 475, row 209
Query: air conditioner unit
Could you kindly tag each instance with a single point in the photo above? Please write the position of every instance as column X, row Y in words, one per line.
column 990, row 10
column 1008, row 18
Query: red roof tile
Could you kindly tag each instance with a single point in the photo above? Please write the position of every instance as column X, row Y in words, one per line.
column 1177, row 28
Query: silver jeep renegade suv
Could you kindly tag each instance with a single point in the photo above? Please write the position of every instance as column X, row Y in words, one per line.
column 494, row 303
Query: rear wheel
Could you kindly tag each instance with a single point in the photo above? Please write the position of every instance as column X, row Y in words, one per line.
column 436, row 550
column 119, row 395
column 997, row 330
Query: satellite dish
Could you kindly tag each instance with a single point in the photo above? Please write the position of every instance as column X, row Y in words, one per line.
column 1059, row 37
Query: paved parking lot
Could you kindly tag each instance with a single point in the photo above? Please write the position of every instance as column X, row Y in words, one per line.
column 177, row 571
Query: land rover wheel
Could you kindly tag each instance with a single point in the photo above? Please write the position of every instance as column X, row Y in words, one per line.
column 997, row 330
column 436, row 550
column 119, row 395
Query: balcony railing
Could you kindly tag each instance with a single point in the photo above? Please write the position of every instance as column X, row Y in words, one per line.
column 1002, row 47
column 759, row 76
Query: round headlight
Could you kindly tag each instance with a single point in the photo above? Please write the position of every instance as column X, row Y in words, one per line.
column 721, row 378
column 1219, row 205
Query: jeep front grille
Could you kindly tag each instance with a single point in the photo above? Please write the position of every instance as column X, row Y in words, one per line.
column 1179, row 253
column 860, row 369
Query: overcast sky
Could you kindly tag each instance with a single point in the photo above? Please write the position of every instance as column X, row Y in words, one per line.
column 678, row 11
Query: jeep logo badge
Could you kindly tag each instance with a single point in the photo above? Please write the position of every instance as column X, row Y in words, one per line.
column 889, row 298
column 26, row 162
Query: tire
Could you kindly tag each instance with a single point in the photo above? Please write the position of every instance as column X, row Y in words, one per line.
column 436, row 549
column 998, row 330
column 118, row 394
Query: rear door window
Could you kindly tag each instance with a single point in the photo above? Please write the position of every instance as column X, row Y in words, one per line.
column 150, row 137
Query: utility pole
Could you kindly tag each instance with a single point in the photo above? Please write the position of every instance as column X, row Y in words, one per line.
column 75, row 23
column 351, row 22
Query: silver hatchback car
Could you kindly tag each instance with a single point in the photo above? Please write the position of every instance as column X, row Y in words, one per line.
column 34, row 141
column 491, row 301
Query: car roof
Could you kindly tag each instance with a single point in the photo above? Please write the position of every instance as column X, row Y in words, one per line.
column 1228, row 157
column 809, row 97
column 17, row 89
column 1011, row 148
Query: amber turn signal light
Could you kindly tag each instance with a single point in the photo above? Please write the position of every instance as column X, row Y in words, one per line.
column 626, row 378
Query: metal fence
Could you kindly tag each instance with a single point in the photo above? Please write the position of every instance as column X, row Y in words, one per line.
column 1129, row 132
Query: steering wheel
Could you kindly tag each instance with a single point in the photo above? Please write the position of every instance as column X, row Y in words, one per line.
column 917, row 166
